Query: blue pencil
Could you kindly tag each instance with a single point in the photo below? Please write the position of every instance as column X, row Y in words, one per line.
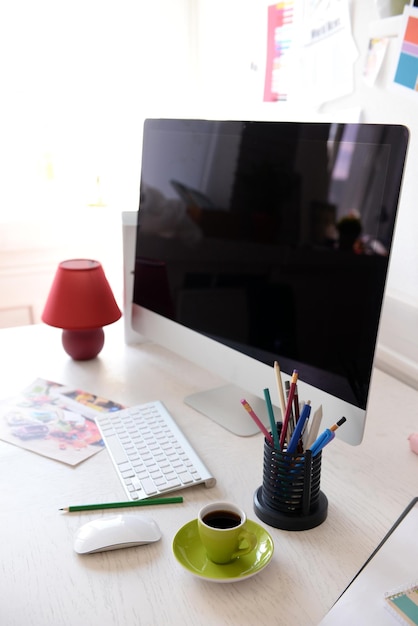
column 293, row 443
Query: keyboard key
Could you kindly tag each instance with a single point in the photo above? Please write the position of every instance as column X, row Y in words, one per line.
column 148, row 486
column 116, row 449
column 136, row 483
column 185, row 478
column 171, row 484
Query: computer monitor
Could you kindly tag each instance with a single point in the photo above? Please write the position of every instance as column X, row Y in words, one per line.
column 268, row 241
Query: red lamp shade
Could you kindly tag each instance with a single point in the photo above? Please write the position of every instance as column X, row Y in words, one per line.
column 81, row 302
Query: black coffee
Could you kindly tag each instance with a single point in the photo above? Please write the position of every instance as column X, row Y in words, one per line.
column 222, row 519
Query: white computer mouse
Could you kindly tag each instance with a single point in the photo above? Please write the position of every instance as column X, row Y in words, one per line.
column 122, row 531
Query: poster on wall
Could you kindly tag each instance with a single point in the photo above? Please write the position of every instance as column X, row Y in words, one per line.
column 310, row 52
column 280, row 47
column 376, row 53
column 405, row 77
column 328, row 51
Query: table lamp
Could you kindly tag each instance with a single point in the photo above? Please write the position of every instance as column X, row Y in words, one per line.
column 81, row 302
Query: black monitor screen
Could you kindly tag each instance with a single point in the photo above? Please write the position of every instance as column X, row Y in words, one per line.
column 273, row 238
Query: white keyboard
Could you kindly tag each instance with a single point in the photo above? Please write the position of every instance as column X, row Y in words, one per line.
column 150, row 452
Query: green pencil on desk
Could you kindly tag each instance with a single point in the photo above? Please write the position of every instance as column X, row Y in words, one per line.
column 120, row 505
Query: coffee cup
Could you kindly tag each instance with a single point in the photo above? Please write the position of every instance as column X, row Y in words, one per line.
column 223, row 533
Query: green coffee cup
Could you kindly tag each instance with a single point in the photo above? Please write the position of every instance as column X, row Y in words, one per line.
column 223, row 533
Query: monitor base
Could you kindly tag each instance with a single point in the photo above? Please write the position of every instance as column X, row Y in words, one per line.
column 223, row 406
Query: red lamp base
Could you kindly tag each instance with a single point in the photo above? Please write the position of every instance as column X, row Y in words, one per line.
column 83, row 345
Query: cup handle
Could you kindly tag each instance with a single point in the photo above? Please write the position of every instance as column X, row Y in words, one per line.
column 250, row 539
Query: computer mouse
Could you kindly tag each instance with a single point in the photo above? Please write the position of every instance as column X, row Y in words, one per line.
column 122, row 531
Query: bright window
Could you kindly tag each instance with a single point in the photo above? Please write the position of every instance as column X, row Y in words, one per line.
column 77, row 79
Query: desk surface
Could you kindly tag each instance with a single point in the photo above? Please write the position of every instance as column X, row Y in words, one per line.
column 44, row 582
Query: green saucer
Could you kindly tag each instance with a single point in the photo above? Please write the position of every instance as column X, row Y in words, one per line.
column 190, row 553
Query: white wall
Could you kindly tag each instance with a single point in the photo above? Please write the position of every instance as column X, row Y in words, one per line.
column 77, row 78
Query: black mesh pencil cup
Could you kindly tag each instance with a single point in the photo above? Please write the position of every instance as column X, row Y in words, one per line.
column 290, row 497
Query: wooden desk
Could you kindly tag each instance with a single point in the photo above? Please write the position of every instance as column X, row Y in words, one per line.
column 44, row 582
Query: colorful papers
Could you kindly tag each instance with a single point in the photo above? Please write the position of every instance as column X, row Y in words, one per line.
column 406, row 72
column 54, row 421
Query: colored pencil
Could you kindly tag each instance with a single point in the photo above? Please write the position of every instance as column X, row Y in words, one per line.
column 120, row 505
column 280, row 388
column 297, row 433
column 273, row 425
column 257, row 420
column 292, row 422
column 288, row 408
column 327, row 436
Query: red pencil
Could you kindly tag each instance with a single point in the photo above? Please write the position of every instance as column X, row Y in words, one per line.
column 257, row 420
column 288, row 408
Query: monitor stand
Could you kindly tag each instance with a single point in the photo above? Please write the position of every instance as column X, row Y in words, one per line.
column 223, row 406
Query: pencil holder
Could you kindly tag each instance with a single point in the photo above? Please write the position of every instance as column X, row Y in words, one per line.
column 290, row 497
